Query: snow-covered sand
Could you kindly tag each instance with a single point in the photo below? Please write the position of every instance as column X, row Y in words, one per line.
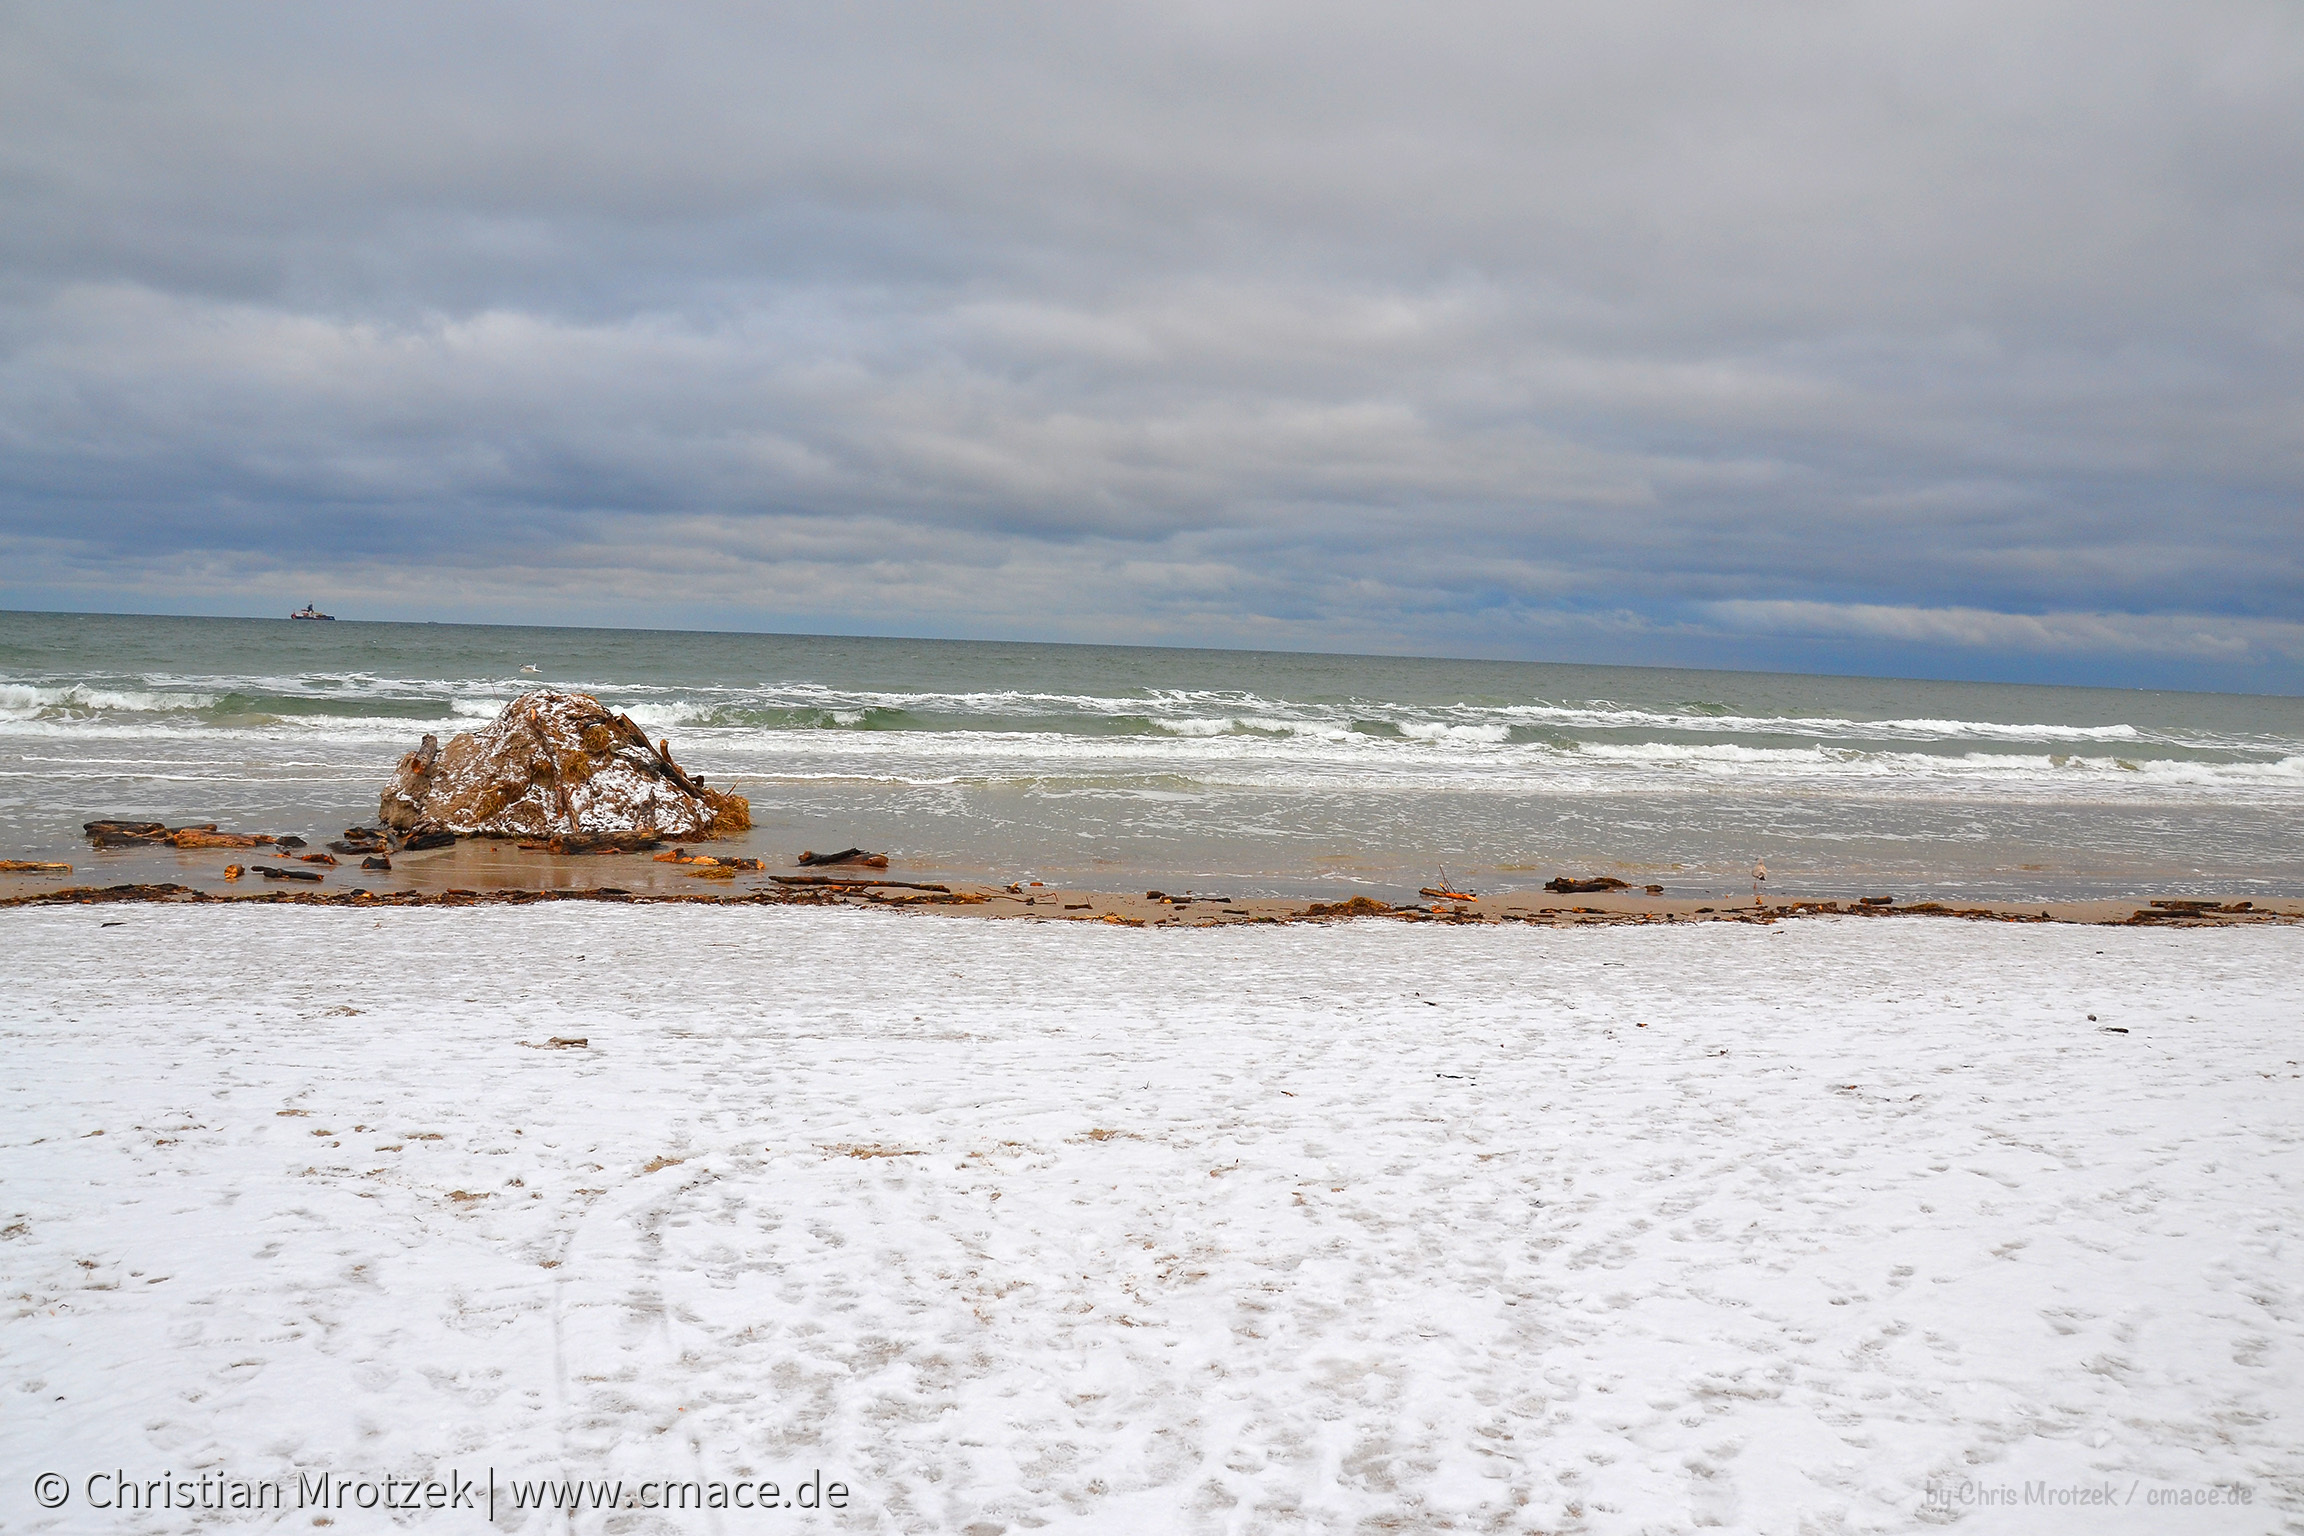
column 1010, row 1226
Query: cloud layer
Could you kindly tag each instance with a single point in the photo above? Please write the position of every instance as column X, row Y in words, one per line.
column 1952, row 338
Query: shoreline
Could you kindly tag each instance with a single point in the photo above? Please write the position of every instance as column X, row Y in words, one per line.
column 1153, row 910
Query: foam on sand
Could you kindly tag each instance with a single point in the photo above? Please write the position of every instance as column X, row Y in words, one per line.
column 1832, row 1226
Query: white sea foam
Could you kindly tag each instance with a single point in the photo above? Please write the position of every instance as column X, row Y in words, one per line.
column 1181, row 711
column 24, row 701
column 1835, row 727
column 1469, row 759
column 1008, row 767
column 1438, row 730
column 1424, row 755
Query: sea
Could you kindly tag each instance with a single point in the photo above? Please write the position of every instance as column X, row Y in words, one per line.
column 1247, row 772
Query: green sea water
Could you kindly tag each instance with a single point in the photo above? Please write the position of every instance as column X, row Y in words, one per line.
column 1257, row 772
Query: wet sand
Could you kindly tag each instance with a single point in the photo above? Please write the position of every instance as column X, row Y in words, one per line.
column 501, row 872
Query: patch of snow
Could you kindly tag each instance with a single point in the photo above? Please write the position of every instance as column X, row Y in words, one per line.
column 1012, row 1226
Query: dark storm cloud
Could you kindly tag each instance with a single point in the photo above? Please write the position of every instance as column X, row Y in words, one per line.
column 1951, row 337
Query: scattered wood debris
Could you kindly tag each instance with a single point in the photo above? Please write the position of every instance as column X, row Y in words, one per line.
column 839, row 882
column 148, row 834
column 683, row 856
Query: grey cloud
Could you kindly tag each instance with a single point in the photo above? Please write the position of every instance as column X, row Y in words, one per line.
column 2204, row 637
column 1645, row 332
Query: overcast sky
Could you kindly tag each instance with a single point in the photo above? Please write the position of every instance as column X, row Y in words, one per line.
column 1946, row 339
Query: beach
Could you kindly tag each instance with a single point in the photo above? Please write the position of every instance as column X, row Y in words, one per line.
column 1126, row 769
column 1832, row 1225
column 1390, row 1099
column 1119, row 770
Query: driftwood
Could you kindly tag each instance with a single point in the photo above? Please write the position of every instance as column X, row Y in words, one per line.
column 2165, row 911
column 430, row 837
column 598, row 842
column 846, row 856
column 109, row 834
column 209, row 837
column 270, row 873
column 1566, row 886
column 683, row 856
column 556, row 765
column 839, row 881
column 1447, row 895
column 154, row 834
column 33, row 867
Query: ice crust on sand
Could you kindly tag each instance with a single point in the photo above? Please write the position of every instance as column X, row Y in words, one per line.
column 1055, row 1228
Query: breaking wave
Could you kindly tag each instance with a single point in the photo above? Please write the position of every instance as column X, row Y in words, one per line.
column 1234, row 735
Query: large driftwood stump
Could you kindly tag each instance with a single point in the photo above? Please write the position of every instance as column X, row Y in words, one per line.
column 555, row 765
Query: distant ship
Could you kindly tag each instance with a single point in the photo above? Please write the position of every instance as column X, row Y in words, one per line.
column 310, row 612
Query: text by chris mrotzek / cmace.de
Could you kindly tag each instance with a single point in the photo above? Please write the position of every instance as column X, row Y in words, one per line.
column 484, row 1492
